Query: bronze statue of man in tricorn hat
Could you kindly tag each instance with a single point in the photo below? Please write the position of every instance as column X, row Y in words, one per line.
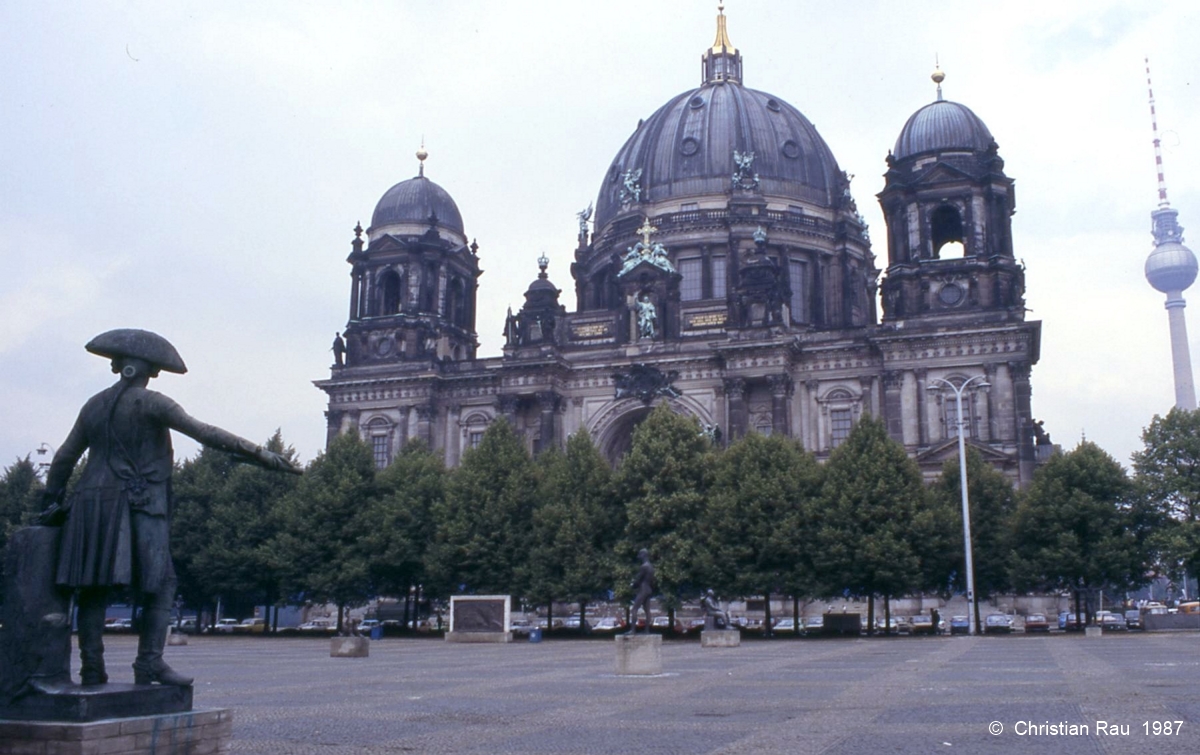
column 115, row 522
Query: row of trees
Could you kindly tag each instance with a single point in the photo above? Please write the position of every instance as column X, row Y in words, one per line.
column 760, row 517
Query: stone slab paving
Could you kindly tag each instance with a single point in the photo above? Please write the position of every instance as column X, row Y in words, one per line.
column 860, row 697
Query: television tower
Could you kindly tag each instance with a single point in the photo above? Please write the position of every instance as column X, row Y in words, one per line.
column 1171, row 268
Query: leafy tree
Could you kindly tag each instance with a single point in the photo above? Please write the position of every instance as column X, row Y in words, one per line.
column 224, row 518
column 874, row 520
column 575, row 526
column 20, row 502
column 482, row 535
column 1080, row 527
column 197, row 486
column 409, row 491
column 662, row 481
column 1168, row 478
column 760, row 507
column 993, row 502
column 324, row 521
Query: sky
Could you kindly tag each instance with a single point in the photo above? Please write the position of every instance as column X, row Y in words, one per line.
column 196, row 169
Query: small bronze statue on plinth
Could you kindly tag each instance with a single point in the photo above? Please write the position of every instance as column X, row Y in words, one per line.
column 643, row 587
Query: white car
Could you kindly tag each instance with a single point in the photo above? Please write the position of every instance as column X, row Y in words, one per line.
column 225, row 626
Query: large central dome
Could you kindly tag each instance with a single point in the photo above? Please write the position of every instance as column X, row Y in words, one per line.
column 686, row 149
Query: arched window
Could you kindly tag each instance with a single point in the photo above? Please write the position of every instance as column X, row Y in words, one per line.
column 379, row 434
column 839, row 405
column 389, row 293
column 946, row 230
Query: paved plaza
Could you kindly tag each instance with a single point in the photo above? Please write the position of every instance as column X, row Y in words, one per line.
column 851, row 696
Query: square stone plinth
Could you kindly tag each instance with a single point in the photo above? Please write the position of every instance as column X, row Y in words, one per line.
column 478, row 637
column 1093, row 632
column 639, row 654
column 349, row 647
column 720, row 638
column 201, row 732
column 75, row 702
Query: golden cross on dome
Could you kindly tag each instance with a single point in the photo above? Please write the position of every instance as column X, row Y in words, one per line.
column 645, row 231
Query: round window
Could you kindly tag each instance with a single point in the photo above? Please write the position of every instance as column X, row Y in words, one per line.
column 950, row 294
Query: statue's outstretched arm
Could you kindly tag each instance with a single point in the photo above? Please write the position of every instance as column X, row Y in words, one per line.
column 177, row 419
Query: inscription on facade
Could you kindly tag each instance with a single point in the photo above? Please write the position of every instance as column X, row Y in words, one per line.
column 706, row 320
column 591, row 330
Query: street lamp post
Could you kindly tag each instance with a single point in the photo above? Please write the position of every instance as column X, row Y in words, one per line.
column 972, row 625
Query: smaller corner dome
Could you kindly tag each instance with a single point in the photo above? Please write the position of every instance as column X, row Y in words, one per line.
column 412, row 202
column 942, row 125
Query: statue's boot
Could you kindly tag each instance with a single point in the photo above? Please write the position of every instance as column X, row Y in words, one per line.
column 150, row 668
column 90, row 620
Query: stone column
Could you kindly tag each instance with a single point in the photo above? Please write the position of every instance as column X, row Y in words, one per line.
column 812, row 427
column 893, row 403
column 548, row 404
column 1023, row 416
column 506, row 404
column 989, row 431
column 426, row 416
column 781, row 389
column 735, row 393
column 922, row 408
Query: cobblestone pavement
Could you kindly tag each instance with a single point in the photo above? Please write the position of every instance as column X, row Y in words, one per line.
column 860, row 697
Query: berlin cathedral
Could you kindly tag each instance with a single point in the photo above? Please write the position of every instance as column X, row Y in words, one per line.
column 727, row 272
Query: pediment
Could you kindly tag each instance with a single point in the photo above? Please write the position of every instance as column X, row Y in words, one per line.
column 937, row 455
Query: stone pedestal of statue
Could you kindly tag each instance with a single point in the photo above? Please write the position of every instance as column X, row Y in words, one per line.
column 1093, row 631
column 199, row 732
column 720, row 638
column 349, row 647
column 639, row 654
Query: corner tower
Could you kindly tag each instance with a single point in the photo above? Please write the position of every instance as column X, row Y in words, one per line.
column 948, row 206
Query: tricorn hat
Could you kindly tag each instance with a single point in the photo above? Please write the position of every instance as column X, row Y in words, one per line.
column 140, row 344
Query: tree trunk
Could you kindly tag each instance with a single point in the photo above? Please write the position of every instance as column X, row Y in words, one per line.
column 341, row 606
column 766, row 614
column 583, row 617
column 887, row 615
column 671, row 621
column 796, row 614
column 871, row 615
column 549, row 617
column 405, row 615
column 1078, row 617
column 416, row 607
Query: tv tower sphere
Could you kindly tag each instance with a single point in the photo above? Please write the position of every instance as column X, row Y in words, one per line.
column 1171, row 267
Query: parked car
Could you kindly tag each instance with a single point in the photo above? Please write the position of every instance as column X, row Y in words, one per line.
column 366, row 625
column 609, row 625
column 960, row 625
column 118, row 625
column 997, row 623
column 1113, row 622
column 1036, row 622
column 318, row 626
column 225, row 626
column 1066, row 622
column 921, row 625
column 251, row 626
column 814, row 625
column 187, row 626
column 785, row 625
column 521, row 627
column 1133, row 620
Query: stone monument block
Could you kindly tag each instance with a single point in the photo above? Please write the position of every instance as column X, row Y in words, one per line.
column 176, row 637
column 1093, row 631
column 720, row 638
column 349, row 647
column 35, row 628
column 480, row 618
column 639, row 654
column 201, row 732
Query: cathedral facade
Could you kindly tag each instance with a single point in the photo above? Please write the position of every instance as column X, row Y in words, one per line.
column 727, row 272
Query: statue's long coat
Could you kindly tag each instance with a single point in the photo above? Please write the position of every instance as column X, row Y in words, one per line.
column 116, row 530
